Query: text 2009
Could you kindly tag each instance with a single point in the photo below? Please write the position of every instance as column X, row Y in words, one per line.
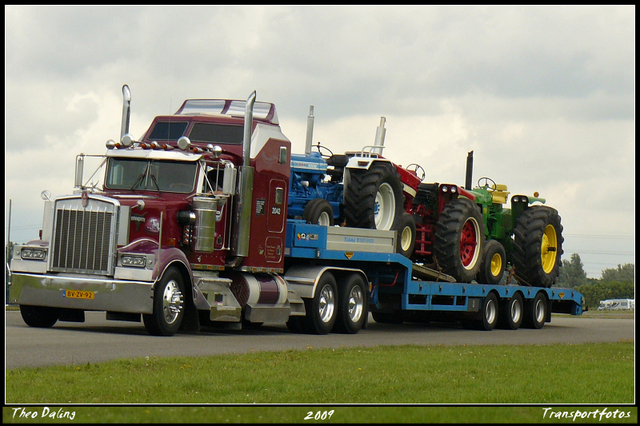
column 319, row 415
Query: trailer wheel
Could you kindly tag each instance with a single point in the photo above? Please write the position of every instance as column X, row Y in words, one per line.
column 535, row 312
column 406, row 235
column 168, row 305
column 489, row 313
column 318, row 212
column 512, row 313
column 538, row 246
column 373, row 198
column 352, row 305
column 459, row 238
column 494, row 260
column 39, row 316
column 321, row 310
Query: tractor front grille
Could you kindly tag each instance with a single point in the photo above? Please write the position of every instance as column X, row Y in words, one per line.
column 84, row 237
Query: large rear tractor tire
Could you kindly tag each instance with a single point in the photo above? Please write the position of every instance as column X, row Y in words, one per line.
column 459, row 239
column 538, row 247
column 373, row 198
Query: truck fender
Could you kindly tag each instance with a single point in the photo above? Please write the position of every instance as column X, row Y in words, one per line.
column 303, row 280
column 174, row 257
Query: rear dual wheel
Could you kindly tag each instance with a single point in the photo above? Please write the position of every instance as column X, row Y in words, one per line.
column 342, row 309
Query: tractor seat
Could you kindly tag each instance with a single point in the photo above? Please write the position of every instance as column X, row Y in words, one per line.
column 499, row 195
column 337, row 163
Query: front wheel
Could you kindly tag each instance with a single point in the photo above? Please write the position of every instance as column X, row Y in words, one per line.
column 406, row 235
column 318, row 212
column 494, row 260
column 168, row 305
column 39, row 316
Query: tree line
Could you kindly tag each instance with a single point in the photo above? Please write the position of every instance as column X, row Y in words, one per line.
column 614, row 283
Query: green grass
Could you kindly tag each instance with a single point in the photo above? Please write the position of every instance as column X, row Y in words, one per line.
column 550, row 374
column 391, row 384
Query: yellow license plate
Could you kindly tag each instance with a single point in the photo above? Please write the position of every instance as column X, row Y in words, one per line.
column 78, row 294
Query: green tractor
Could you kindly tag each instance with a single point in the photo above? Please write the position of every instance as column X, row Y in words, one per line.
column 525, row 239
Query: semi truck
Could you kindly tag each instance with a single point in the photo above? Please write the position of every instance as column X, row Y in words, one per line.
column 190, row 227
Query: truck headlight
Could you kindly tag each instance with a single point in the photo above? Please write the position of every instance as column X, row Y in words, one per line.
column 136, row 261
column 32, row 253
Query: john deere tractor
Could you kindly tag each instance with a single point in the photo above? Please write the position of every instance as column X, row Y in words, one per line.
column 526, row 237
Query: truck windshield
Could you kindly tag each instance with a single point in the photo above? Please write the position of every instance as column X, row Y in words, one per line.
column 151, row 175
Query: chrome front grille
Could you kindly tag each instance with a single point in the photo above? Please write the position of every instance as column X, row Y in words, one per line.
column 84, row 237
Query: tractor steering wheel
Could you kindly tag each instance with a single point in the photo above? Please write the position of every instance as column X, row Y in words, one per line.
column 486, row 185
column 418, row 170
column 319, row 147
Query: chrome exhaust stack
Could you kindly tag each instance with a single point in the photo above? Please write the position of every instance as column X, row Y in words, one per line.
column 126, row 111
column 245, row 186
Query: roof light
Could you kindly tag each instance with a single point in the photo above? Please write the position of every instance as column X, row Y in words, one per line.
column 184, row 143
column 127, row 140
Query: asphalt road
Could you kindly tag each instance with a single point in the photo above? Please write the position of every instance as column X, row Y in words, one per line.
column 98, row 340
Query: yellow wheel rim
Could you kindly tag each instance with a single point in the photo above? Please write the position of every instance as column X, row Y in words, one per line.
column 496, row 264
column 549, row 249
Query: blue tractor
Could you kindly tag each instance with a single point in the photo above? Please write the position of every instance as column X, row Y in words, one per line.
column 315, row 186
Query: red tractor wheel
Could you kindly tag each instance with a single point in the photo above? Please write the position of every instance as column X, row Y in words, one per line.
column 459, row 239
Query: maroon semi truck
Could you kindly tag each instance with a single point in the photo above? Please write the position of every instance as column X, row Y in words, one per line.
column 189, row 227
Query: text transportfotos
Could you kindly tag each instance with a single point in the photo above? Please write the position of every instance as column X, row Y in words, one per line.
column 577, row 414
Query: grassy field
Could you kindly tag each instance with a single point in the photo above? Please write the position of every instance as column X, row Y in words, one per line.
column 404, row 384
column 319, row 381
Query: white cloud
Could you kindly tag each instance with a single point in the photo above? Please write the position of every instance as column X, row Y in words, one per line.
column 544, row 95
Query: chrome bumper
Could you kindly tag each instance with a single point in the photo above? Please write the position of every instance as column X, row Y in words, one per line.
column 108, row 294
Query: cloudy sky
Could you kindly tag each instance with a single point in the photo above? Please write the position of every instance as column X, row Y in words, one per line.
column 544, row 96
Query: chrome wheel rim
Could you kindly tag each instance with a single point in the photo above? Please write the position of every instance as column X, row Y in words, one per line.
column 171, row 302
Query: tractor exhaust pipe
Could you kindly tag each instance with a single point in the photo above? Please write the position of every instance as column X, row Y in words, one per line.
column 380, row 135
column 309, row 140
column 126, row 110
column 469, row 176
